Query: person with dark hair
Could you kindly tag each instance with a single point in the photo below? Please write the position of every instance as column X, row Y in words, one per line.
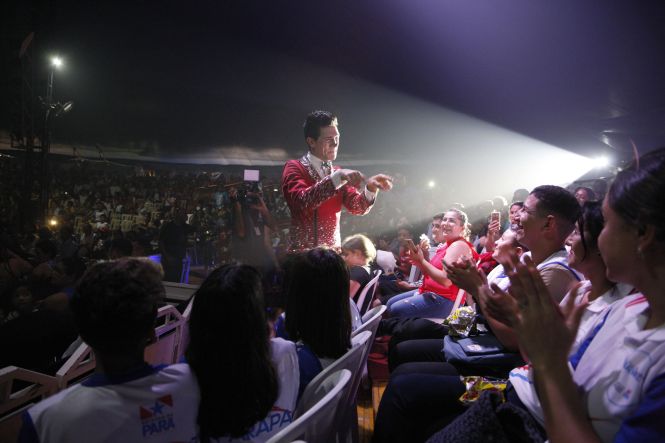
column 67, row 273
column 399, row 249
column 422, row 340
column 249, row 386
column 13, row 268
column 45, row 252
column 120, row 247
column 173, row 244
column 115, row 307
column 584, row 194
column 68, row 244
column 612, row 387
column 547, row 217
column 315, row 190
column 44, row 272
column 514, row 213
column 598, row 292
column 317, row 309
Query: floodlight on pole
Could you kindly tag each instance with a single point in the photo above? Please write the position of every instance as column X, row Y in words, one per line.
column 52, row 109
column 56, row 62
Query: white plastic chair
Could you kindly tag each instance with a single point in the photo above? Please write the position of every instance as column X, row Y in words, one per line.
column 370, row 288
column 371, row 321
column 346, row 422
column 15, row 401
column 458, row 301
column 414, row 275
column 184, row 332
column 317, row 421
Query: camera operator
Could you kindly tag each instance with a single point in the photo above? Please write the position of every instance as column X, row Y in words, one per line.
column 253, row 226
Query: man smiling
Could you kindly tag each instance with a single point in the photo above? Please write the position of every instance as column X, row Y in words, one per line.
column 315, row 190
column 545, row 221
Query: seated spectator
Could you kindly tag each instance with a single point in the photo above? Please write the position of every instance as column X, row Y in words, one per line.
column 358, row 252
column 422, row 340
column 20, row 302
column 13, row 268
column 436, row 296
column 115, row 307
column 603, row 385
column 317, row 309
column 389, row 283
column 67, row 273
column 584, row 194
column 398, row 247
column 120, row 247
column 45, row 253
column 68, row 243
column 257, row 376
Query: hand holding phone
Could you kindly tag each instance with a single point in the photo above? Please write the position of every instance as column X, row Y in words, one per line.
column 411, row 246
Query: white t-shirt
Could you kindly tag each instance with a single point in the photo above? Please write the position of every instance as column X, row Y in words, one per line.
column 285, row 361
column 151, row 404
column 616, row 368
column 154, row 405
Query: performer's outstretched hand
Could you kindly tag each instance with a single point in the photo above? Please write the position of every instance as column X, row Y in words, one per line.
column 380, row 181
column 352, row 177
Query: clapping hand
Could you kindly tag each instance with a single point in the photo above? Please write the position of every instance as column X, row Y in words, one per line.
column 546, row 331
column 464, row 274
column 414, row 252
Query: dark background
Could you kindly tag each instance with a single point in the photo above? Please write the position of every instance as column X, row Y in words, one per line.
column 235, row 79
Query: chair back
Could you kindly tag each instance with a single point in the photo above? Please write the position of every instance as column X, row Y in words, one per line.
column 414, row 274
column 371, row 321
column 353, row 360
column 79, row 366
column 368, row 291
column 164, row 350
column 317, row 420
column 184, row 332
column 19, row 390
column 458, row 301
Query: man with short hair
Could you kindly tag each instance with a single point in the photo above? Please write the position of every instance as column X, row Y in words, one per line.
column 315, row 190
column 115, row 307
column 546, row 219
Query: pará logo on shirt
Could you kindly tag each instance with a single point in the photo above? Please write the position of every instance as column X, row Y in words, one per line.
column 157, row 417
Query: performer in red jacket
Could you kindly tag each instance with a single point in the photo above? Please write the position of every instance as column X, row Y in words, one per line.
column 315, row 190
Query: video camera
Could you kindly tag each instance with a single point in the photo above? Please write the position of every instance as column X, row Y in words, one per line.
column 251, row 188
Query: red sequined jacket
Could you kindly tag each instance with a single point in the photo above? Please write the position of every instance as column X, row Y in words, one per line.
column 315, row 205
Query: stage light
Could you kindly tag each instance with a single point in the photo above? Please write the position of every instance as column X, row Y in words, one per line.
column 431, row 184
column 56, row 62
column 601, row 162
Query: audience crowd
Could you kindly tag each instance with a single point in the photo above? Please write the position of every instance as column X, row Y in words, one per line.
column 565, row 286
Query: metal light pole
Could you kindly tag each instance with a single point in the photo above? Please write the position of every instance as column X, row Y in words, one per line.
column 50, row 107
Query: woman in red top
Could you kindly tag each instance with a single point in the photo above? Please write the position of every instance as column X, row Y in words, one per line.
column 436, row 297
